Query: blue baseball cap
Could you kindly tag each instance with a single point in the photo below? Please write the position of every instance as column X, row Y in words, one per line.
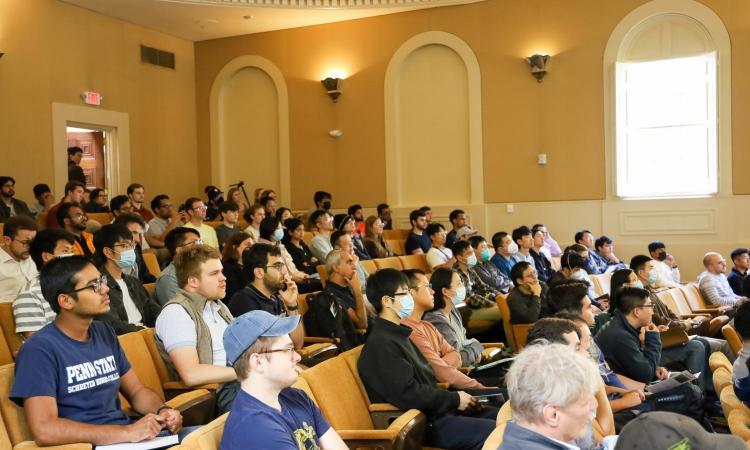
column 247, row 328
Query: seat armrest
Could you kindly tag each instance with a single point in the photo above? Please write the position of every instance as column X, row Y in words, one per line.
column 180, row 386
column 318, row 350
column 197, row 407
column 379, row 407
column 318, row 340
column 493, row 345
column 711, row 311
column 406, row 431
column 443, row 385
column 31, row 445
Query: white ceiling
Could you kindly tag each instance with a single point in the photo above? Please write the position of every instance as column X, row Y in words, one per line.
column 191, row 20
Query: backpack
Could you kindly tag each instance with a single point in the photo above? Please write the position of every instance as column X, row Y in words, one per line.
column 326, row 317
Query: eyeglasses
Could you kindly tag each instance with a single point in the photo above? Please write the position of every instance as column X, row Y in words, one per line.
column 95, row 286
column 25, row 243
column 416, row 288
column 78, row 216
column 288, row 350
column 199, row 208
column 125, row 245
column 650, row 305
column 277, row 266
column 198, row 241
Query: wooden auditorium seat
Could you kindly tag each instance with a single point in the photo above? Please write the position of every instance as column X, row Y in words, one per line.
column 733, row 339
column 388, row 263
column 152, row 264
column 415, row 262
column 515, row 333
column 8, row 326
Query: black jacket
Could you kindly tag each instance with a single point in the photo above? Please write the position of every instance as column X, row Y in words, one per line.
column 302, row 257
column 75, row 172
column 621, row 345
column 236, row 277
column 19, row 206
column 117, row 317
column 394, row 371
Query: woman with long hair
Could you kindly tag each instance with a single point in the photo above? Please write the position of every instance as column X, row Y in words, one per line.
column 231, row 260
column 375, row 245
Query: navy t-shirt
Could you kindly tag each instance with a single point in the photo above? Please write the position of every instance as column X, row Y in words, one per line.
column 83, row 377
column 415, row 241
column 253, row 424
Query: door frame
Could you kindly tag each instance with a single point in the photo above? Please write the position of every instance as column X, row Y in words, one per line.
column 117, row 159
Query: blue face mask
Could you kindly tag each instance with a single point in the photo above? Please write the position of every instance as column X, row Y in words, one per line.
column 471, row 261
column 652, row 276
column 460, row 295
column 638, row 284
column 127, row 259
column 486, row 254
column 407, row 306
column 278, row 234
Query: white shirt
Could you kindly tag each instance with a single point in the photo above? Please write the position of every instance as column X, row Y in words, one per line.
column 176, row 329
column 134, row 316
column 666, row 276
column 14, row 275
column 437, row 256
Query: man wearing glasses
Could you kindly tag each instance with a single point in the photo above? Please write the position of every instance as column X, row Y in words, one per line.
column 271, row 289
column 16, row 268
column 267, row 412
column 196, row 211
column 68, row 375
column 176, row 240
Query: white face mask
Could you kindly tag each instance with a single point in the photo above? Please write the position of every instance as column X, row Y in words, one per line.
column 513, row 248
column 580, row 274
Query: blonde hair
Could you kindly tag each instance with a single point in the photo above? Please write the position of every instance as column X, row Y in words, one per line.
column 381, row 246
column 187, row 263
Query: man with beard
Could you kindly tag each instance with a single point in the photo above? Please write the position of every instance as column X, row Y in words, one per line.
column 271, row 289
column 73, row 220
column 10, row 206
column 16, row 268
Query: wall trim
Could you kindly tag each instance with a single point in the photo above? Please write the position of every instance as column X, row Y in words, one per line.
column 392, row 113
column 218, row 151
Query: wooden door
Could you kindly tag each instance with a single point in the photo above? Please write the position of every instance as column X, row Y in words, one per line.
column 92, row 163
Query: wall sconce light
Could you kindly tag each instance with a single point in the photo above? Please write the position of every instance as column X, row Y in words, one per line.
column 538, row 65
column 332, row 87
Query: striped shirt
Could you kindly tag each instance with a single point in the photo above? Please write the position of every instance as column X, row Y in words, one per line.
column 30, row 310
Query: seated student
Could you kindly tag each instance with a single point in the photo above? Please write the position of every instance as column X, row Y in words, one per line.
column 120, row 204
column 448, row 291
column 713, row 282
column 73, row 194
column 375, row 244
column 98, row 202
column 550, row 415
column 10, row 206
column 356, row 213
column 522, row 237
column 16, row 268
column 669, row 274
column 741, row 371
column 344, row 285
column 176, row 240
column 384, row 213
column 65, row 400
column 271, row 288
column 741, row 261
column 73, row 219
column 131, row 309
column 555, row 330
column 268, row 412
column 605, row 250
column 394, row 371
column 441, row 355
column 322, row 200
column 342, row 241
column 457, row 218
column 137, row 196
column 31, row 311
column 438, row 255
column 505, row 248
column 427, row 213
column 165, row 220
column 485, row 269
column 551, row 248
column 271, row 233
column 136, row 225
column 231, row 261
column 541, row 262
column 196, row 212
column 595, row 265
column 230, row 214
column 268, row 204
column 301, row 255
column 284, row 214
column 527, row 302
column 213, row 196
column 320, row 244
column 346, row 223
column 480, row 297
column 44, row 199
column 190, row 327
column 418, row 241
column 573, row 267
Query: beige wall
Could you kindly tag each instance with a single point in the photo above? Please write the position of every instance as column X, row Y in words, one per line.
column 55, row 51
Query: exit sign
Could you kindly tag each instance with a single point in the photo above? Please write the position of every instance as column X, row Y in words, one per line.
column 92, row 98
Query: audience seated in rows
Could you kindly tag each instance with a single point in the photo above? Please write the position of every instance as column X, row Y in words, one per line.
column 135, row 224
column 196, row 212
column 73, row 194
column 10, row 206
column 485, row 269
column 741, row 262
column 550, row 249
column 528, row 299
column 231, row 262
column 669, row 273
column 340, row 240
column 294, row 243
column 131, row 309
column 254, row 216
column 137, row 196
column 346, row 223
column 375, row 245
column 166, row 218
column 418, row 241
column 320, row 245
column 64, row 399
column 384, row 213
column 268, row 412
column 713, row 282
column 457, row 218
column 271, row 233
column 344, row 285
column 177, row 240
column 542, row 264
column 480, row 296
column 595, row 264
column 522, row 237
column 230, row 214
column 44, row 199
column 73, row 219
column 97, row 202
column 438, row 255
column 120, row 204
column 393, row 370
column 505, row 248
column 31, row 311
column 604, row 250
column 17, row 269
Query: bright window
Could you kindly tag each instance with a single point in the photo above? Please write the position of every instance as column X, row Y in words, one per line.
column 666, row 127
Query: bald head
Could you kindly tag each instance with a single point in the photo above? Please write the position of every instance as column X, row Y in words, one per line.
column 714, row 263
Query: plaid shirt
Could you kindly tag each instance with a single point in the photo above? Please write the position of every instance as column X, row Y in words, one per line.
column 478, row 293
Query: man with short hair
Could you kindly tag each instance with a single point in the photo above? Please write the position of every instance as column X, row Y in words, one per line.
column 669, row 274
column 605, row 251
column 73, row 194
column 427, row 213
column 551, row 247
column 135, row 224
column 340, row 240
column 741, row 262
column 16, row 268
column 177, row 240
column 480, row 297
column 230, row 214
column 485, row 269
column 131, row 309
column 97, row 201
column 394, row 371
column 166, row 219
column 10, row 206
column 68, row 375
column 522, row 237
column 595, row 265
column 527, row 301
column 505, row 248
column 136, row 195
column 713, row 282
column 344, row 285
column 75, row 171
column 322, row 200
column 554, row 330
column 31, row 311
column 120, row 204
column 254, row 216
column 418, row 242
column 73, row 220
column 196, row 211
column 44, row 199
column 457, row 218
column 355, row 211
column 384, row 213
column 268, row 412
column 550, row 415
column 271, row 289
column 320, row 245
column 438, row 255
column 542, row 264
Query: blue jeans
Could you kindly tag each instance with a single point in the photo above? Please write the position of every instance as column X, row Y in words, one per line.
column 694, row 355
column 461, row 432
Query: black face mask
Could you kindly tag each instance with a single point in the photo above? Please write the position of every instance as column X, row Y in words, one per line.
column 661, row 256
column 326, row 204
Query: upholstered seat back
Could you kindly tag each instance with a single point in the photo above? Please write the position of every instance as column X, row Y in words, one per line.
column 13, row 416
column 8, row 325
column 208, row 437
column 140, row 359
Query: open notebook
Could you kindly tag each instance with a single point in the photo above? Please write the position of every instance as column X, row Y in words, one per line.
column 159, row 442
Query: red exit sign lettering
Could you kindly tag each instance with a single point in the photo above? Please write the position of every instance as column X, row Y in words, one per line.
column 92, row 98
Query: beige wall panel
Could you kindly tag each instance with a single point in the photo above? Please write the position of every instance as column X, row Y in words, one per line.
column 250, row 128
